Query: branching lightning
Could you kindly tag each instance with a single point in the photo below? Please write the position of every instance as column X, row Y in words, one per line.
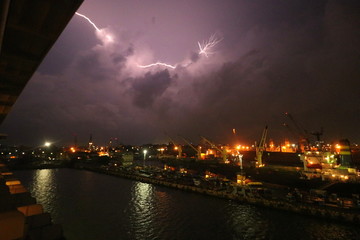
column 157, row 64
column 101, row 32
column 206, row 46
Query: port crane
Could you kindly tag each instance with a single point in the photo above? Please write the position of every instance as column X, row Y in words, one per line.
column 295, row 135
column 178, row 148
column 222, row 151
column 197, row 150
column 260, row 148
column 318, row 134
column 302, row 133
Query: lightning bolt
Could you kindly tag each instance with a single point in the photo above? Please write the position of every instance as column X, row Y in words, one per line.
column 157, row 64
column 88, row 19
column 206, row 47
column 107, row 36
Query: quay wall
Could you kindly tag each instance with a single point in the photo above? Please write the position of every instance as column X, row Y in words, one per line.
column 20, row 216
column 329, row 212
column 335, row 213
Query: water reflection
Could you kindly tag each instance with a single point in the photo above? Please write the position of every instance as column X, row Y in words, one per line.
column 246, row 222
column 249, row 222
column 94, row 206
column 330, row 230
column 43, row 188
column 142, row 210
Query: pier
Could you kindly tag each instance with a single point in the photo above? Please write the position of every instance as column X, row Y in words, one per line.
column 266, row 197
column 21, row 217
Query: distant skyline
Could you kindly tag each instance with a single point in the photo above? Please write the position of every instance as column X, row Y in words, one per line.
column 275, row 56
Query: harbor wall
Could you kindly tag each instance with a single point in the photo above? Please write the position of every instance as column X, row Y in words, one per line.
column 335, row 213
column 20, row 215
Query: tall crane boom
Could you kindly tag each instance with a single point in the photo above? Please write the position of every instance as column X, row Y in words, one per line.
column 211, row 144
column 291, row 130
column 263, row 138
column 222, row 151
column 198, row 151
column 300, row 129
column 303, row 133
column 178, row 147
column 261, row 147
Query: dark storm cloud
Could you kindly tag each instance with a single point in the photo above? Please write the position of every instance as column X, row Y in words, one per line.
column 280, row 56
column 150, row 87
column 226, row 98
column 90, row 66
column 296, row 69
column 194, row 57
column 72, row 41
column 120, row 58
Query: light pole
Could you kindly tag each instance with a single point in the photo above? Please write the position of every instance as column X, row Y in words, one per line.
column 145, row 151
column 240, row 177
column 46, row 152
column 240, row 156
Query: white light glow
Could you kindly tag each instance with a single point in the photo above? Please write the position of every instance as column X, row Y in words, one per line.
column 157, row 64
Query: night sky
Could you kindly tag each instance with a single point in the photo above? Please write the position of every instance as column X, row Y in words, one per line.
column 273, row 56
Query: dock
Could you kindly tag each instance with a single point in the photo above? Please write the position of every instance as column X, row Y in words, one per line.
column 310, row 207
column 21, row 217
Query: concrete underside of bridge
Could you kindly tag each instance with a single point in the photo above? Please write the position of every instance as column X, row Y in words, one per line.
column 28, row 30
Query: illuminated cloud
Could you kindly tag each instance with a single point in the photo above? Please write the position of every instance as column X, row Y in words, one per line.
column 300, row 60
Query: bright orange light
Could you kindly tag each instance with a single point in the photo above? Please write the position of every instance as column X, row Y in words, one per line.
column 101, row 154
column 337, row 148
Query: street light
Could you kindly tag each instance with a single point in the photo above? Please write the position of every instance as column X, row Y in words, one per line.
column 145, row 151
column 240, row 156
column 47, row 144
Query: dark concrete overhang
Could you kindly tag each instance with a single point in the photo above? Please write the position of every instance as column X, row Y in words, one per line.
column 28, row 29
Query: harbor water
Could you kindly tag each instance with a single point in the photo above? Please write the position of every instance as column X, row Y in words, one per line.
column 95, row 206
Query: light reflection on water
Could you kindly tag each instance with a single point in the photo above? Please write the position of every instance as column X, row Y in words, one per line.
column 141, row 210
column 44, row 187
column 246, row 222
column 42, row 181
column 95, row 206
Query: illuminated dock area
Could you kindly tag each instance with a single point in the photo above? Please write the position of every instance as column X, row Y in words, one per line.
column 267, row 195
